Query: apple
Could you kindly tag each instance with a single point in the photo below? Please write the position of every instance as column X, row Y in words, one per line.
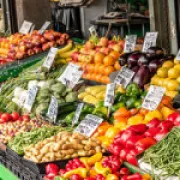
column 11, row 54
column 43, row 40
column 92, row 52
column 105, row 50
column 117, row 48
column 89, row 45
column 98, row 48
column 45, row 46
column 103, row 42
column 22, row 48
column 10, row 59
column 121, row 43
column 37, row 44
column 30, row 52
column 37, row 50
column 74, row 56
column 29, row 45
column 65, row 36
column 60, row 42
column 83, row 51
column 49, row 36
column 2, row 62
column 51, row 43
column 19, row 55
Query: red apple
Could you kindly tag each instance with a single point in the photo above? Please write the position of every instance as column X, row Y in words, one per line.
column 19, row 55
column 74, row 56
column 43, row 40
column 89, row 45
column 30, row 52
column 117, row 48
column 60, row 42
column 45, row 46
column 37, row 50
column 103, row 42
column 51, row 44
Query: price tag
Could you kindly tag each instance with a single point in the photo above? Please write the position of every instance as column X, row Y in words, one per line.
column 50, row 58
column 32, row 29
column 153, row 98
column 77, row 113
column 109, row 99
column 32, row 92
column 44, row 27
column 53, row 109
column 89, row 125
column 150, row 40
column 93, row 31
column 124, row 77
column 178, row 56
column 130, row 43
column 71, row 75
column 26, row 27
column 22, row 99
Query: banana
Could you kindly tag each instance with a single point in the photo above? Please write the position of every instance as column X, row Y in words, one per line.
column 67, row 54
column 66, row 48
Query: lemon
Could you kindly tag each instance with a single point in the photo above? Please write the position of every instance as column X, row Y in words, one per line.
column 176, row 61
column 172, row 85
column 177, row 66
column 165, row 82
column 178, row 79
column 160, row 81
column 154, row 80
column 173, row 73
column 162, row 72
column 171, row 94
column 168, row 64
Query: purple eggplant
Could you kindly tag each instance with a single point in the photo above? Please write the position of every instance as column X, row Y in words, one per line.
column 154, row 65
column 135, row 69
column 143, row 60
column 133, row 60
column 142, row 77
column 154, row 53
column 123, row 59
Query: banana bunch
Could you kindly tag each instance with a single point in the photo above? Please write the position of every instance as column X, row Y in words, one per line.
column 93, row 94
column 64, row 54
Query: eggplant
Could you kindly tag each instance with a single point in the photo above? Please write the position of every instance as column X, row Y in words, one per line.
column 143, row 76
column 176, row 102
column 155, row 53
column 133, row 60
column 123, row 59
column 135, row 69
column 143, row 60
column 167, row 57
column 154, row 65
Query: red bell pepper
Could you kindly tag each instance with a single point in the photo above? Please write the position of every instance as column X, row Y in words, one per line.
column 134, row 152
column 100, row 177
column 175, row 118
column 76, row 177
column 132, row 141
column 123, row 154
column 124, row 171
column 154, row 123
column 90, row 178
column 115, row 149
column 135, row 176
column 124, row 177
column 132, row 159
column 159, row 136
column 117, row 138
column 140, row 128
column 62, row 172
column 52, row 168
column 166, row 125
column 152, row 131
column 112, row 162
column 144, row 144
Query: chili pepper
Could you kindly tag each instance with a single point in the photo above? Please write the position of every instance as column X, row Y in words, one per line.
column 166, row 125
column 52, row 168
column 152, row 132
column 124, row 171
column 112, row 162
column 133, row 90
column 123, row 98
column 117, row 96
column 135, row 176
column 139, row 128
column 84, row 160
column 131, row 159
column 105, row 141
column 100, row 104
column 62, row 171
column 130, row 103
column 153, row 123
column 59, row 178
column 117, row 139
column 95, row 158
column 115, row 149
column 87, row 109
column 76, row 177
column 132, row 140
column 100, row 177
column 82, row 172
column 175, row 118
column 112, row 132
column 124, row 177
column 143, row 95
column 112, row 177
column 100, row 110
column 101, row 170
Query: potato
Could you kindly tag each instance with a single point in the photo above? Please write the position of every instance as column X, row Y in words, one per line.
column 57, row 146
column 34, row 159
column 74, row 155
column 70, row 151
column 91, row 152
column 58, row 155
column 87, row 147
column 82, row 153
column 66, row 146
column 98, row 149
column 45, row 159
column 34, row 151
column 38, row 146
column 79, row 146
column 44, row 150
column 64, row 152
column 67, row 157
column 39, row 158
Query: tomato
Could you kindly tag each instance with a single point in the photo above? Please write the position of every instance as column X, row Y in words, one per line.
column 6, row 117
column 15, row 116
column 25, row 118
column 2, row 121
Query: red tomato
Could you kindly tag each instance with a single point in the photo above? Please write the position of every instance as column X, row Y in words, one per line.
column 15, row 116
column 6, row 117
column 25, row 117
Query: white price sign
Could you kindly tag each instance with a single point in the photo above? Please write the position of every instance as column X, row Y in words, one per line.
column 71, row 75
column 124, row 77
column 22, row 99
column 150, row 40
column 88, row 126
column 50, row 58
column 109, row 98
column 153, row 98
column 77, row 113
column 178, row 56
column 26, row 27
column 32, row 92
column 53, row 109
column 44, row 27
column 93, row 31
column 130, row 43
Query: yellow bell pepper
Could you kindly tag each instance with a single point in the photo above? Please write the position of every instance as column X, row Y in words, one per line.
column 101, row 170
column 105, row 141
column 84, row 160
column 112, row 177
column 82, row 172
column 153, row 114
column 137, row 119
column 95, row 158
column 92, row 173
column 121, row 125
column 166, row 112
column 112, row 132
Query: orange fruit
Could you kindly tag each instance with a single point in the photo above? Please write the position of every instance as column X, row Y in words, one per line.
column 98, row 77
column 115, row 55
column 93, row 76
column 117, row 66
column 96, row 68
column 98, row 58
column 88, row 76
column 109, row 61
column 91, row 68
column 101, row 69
column 105, row 79
column 108, row 70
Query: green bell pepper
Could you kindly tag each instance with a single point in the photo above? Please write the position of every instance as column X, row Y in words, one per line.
column 133, row 90
column 117, row 106
column 131, row 102
column 123, row 98
column 138, row 104
column 117, row 96
column 69, row 118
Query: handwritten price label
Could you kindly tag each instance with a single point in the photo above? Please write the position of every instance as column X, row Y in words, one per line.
column 26, row 27
column 44, row 27
column 53, row 109
column 130, row 43
column 109, row 98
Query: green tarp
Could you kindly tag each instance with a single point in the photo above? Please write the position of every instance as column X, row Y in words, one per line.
column 5, row 174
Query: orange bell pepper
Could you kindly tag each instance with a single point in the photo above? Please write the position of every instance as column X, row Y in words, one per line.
column 103, row 128
column 122, row 112
column 112, row 177
column 121, row 119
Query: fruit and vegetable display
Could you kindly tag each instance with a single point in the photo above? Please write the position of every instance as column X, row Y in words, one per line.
column 18, row 46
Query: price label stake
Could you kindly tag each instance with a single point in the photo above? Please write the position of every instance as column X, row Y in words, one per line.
column 77, row 113
column 44, row 27
column 53, row 109
column 150, row 40
column 32, row 92
column 26, row 27
column 50, row 58
column 130, row 43
column 93, row 31
column 178, row 56
column 109, row 98
column 71, row 75
column 153, row 98
column 88, row 126
column 124, row 77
